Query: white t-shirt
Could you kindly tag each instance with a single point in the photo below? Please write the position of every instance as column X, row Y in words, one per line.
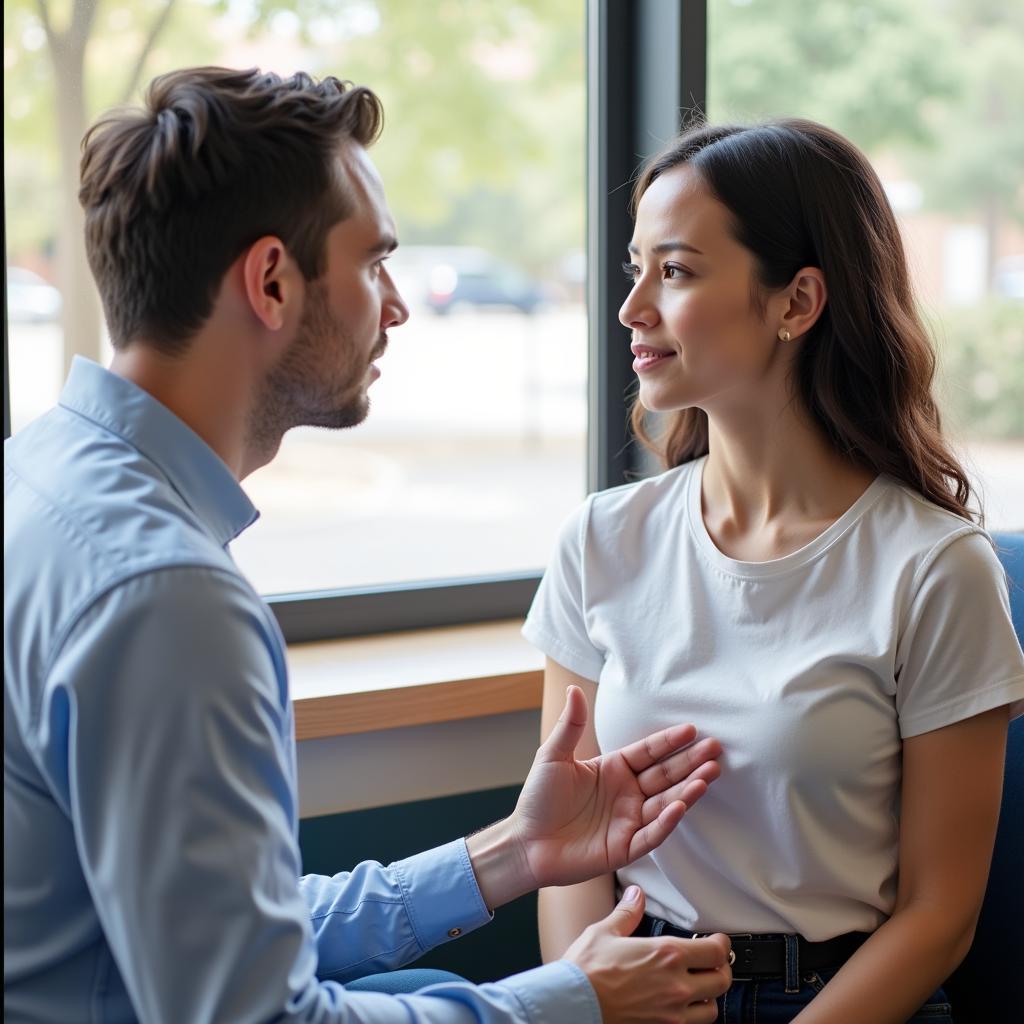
column 809, row 668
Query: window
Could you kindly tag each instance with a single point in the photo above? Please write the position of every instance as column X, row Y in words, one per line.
column 475, row 449
column 930, row 90
column 501, row 401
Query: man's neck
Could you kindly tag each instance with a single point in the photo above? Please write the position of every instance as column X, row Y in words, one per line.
column 205, row 388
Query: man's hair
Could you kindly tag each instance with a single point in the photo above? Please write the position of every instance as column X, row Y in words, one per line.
column 217, row 158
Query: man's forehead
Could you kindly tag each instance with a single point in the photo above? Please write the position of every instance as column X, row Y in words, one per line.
column 359, row 170
column 363, row 183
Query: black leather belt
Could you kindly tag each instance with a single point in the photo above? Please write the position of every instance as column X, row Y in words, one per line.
column 765, row 955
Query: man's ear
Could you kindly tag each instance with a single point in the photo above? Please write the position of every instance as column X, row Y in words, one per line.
column 808, row 294
column 272, row 282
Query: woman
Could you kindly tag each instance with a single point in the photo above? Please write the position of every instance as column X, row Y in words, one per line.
column 805, row 582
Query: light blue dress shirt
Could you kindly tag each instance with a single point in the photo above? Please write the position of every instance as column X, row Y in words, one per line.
column 151, row 861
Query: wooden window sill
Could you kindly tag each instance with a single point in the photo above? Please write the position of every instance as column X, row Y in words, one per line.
column 340, row 687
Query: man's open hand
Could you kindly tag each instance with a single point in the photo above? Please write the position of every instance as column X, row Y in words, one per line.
column 577, row 819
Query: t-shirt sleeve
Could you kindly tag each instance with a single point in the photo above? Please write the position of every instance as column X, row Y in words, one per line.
column 557, row 621
column 958, row 655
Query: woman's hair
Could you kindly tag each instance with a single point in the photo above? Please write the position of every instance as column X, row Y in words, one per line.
column 801, row 195
column 216, row 158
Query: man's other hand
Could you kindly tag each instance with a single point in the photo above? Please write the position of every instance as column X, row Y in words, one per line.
column 640, row 981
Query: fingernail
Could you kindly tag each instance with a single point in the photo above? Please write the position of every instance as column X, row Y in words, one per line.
column 631, row 895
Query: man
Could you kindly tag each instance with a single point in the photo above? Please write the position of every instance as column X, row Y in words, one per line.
column 237, row 232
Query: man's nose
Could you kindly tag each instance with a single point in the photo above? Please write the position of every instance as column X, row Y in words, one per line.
column 395, row 311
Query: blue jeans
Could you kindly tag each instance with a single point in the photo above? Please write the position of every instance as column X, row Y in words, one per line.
column 766, row 1001
column 395, row 983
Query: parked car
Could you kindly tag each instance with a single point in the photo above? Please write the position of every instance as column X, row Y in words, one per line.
column 31, row 299
column 446, row 277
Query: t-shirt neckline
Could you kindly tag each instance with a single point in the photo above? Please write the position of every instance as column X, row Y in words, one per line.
column 775, row 566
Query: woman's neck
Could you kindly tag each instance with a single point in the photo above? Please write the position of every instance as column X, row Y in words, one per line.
column 773, row 482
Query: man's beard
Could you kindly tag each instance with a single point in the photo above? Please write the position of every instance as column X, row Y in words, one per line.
column 319, row 381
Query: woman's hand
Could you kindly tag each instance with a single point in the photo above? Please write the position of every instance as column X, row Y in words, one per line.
column 577, row 819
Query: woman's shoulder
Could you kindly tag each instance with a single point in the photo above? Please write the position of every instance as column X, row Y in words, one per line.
column 605, row 518
column 641, row 496
column 926, row 534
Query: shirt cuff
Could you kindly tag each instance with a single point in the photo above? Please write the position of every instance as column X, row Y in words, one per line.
column 441, row 894
column 554, row 993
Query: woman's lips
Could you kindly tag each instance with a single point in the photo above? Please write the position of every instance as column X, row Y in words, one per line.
column 649, row 358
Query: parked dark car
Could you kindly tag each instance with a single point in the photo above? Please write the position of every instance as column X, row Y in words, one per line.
column 447, row 277
column 486, row 284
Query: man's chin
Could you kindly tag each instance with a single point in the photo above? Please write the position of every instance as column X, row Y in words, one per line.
column 340, row 419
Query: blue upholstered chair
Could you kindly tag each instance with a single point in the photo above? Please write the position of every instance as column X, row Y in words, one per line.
column 988, row 987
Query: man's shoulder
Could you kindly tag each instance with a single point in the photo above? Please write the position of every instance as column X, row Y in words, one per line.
column 85, row 515
column 88, row 499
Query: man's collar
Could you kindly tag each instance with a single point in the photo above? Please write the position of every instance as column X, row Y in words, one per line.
column 194, row 469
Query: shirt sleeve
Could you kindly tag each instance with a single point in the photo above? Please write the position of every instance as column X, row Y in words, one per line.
column 176, row 773
column 377, row 918
column 557, row 620
column 958, row 655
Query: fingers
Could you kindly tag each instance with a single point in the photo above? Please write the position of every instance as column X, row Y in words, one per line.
column 700, row 1013
column 707, row 953
column 705, row 960
column 651, row 749
column 656, row 832
column 679, row 765
column 686, row 793
column 623, row 920
column 564, row 738
column 689, row 791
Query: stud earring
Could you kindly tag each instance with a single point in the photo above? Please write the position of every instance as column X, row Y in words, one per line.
column 784, row 334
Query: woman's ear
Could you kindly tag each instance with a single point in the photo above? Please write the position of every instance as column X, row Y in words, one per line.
column 271, row 282
column 808, row 294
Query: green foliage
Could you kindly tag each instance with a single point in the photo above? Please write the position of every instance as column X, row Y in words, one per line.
column 484, row 102
column 936, row 82
column 484, row 108
column 863, row 68
column 979, row 151
column 981, row 369
column 32, row 169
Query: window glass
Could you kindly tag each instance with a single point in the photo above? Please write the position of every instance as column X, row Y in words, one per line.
column 474, row 450
column 930, row 90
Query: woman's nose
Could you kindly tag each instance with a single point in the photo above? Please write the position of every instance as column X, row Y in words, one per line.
column 637, row 312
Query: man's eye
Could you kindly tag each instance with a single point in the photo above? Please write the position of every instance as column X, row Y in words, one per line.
column 631, row 270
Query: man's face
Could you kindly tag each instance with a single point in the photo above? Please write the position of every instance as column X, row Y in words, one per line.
column 323, row 377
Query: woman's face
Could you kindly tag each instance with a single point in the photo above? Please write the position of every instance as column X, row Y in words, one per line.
column 698, row 338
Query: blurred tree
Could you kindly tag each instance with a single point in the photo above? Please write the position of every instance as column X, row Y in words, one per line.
column 866, row 69
column 479, row 97
column 976, row 164
column 484, row 104
column 90, row 53
column 935, row 82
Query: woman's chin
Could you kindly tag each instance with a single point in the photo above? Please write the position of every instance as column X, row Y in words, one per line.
column 658, row 401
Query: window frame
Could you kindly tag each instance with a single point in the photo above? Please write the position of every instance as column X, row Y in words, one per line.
column 646, row 68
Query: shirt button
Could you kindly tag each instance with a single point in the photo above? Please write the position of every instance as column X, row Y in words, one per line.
column 454, row 933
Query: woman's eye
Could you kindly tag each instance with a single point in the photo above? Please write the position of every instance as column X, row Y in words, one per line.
column 631, row 270
column 673, row 273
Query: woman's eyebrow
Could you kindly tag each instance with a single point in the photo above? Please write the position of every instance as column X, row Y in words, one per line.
column 663, row 247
